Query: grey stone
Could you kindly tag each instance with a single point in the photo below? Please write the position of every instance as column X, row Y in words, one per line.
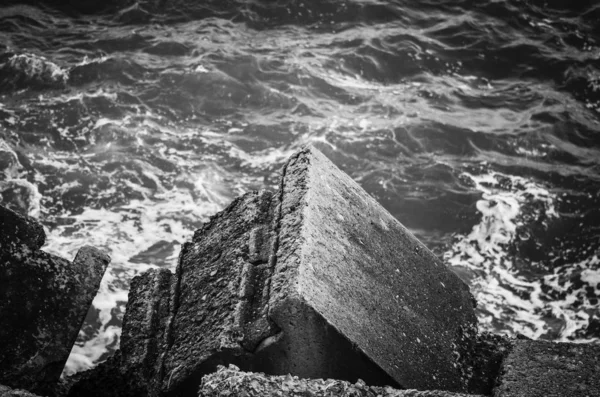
column 537, row 368
column 43, row 302
column 233, row 382
column 316, row 280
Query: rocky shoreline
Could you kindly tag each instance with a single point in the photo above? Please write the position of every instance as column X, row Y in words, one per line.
column 315, row 281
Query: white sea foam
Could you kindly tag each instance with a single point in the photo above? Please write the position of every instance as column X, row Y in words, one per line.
column 509, row 301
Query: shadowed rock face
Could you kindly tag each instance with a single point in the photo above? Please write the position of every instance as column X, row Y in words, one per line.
column 43, row 302
column 316, row 280
column 536, row 368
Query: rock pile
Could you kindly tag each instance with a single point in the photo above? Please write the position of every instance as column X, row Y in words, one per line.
column 318, row 281
column 43, row 302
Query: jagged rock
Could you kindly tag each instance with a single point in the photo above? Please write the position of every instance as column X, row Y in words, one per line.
column 535, row 368
column 233, row 382
column 316, row 280
column 43, row 302
column 6, row 391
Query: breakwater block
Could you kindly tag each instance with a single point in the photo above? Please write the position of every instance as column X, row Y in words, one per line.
column 546, row 369
column 233, row 382
column 43, row 302
column 316, row 280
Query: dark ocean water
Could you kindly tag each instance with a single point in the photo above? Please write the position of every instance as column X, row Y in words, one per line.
column 475, row 123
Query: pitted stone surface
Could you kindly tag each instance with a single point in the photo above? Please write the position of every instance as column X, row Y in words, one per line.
column 233, row 382
column 545, row 369
column 344, row 256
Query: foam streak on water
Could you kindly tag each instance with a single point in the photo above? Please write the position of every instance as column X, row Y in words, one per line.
column 475, row 123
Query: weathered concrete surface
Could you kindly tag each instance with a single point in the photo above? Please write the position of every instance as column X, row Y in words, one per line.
column 347, row 258
column 43, row 302
column 486, row 359
column 316, row 280
column 233, row 382
column 546, row 369
column 6, row 391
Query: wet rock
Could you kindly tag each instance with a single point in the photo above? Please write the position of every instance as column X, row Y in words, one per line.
column 232, row 382
column 539, row 368
column 6, row 391
column 316, row 280
column 43, row 302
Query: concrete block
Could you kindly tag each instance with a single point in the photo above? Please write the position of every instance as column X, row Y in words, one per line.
column 536, row 368
column 43, row 302
column 349, row 261
column 316, row 280
column 233, row 382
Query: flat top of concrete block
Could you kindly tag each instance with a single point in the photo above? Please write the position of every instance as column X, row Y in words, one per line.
column 369, row 277
column 539, row 368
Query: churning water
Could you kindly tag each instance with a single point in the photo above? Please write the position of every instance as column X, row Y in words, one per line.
column 476, row 123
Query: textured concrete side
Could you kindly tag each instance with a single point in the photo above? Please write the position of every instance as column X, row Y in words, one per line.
column 218, row 306
column 233, row 382
column 43, row 302
column 347, row 258
column 546, row 369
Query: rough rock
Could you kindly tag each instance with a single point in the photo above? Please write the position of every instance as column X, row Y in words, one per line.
column 43, row 302
column 19, row 230
column 233, row 382
column 316, row 280
column 535, row 368
column 6, row 391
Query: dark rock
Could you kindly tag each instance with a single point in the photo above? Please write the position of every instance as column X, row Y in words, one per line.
column 43, row 302
column 535, row 368
column 19, row 230
column 232, row 382
column 317, row 280
column 486, row 359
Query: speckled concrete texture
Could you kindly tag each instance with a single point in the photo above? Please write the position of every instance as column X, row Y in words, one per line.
column 233, row 382
column 536, row 368
column 344, row 256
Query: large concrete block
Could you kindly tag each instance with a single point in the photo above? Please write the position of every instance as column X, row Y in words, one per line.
column 351, row 262
column 546, row 369
column 43, row 302
column 316, row 280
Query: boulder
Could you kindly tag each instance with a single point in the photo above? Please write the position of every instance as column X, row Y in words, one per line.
column 317, row 280
column 43, row 302
column 536, row 368
column 233, row 382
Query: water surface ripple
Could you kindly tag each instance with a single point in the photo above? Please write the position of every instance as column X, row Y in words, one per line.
column 475, row 123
